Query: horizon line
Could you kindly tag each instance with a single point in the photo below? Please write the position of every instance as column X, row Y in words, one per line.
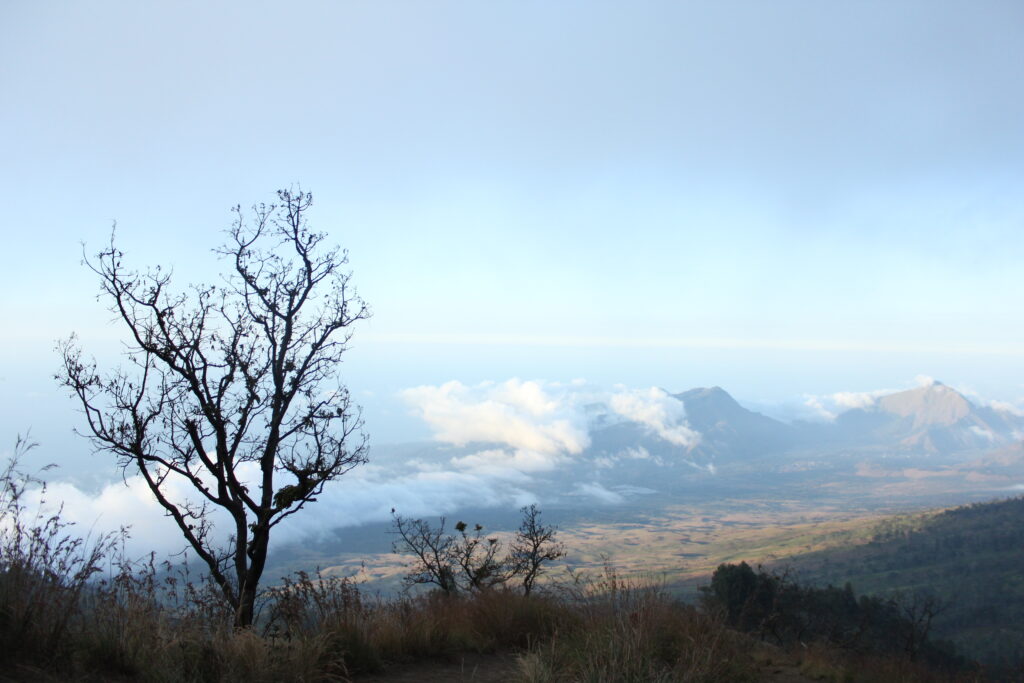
column 722, row 343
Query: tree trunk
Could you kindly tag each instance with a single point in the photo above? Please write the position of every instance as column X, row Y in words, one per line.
column 257, row 560
column 246, row 607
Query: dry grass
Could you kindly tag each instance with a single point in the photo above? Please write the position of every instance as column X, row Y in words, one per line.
column 633, row 630
column 136, row 626
column 71, row 609
column 821, row 663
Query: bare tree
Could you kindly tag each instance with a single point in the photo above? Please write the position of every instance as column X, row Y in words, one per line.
column 918, row 609
column 435, row 561
column 231, row 389
column 533, row 546
column 472, row 561
column 478, row 558
column 468, row 561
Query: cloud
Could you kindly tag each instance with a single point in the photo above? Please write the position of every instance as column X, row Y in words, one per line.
column 709, row 467
column 982, row 432
column 613, row 496
column 127, row 503
column 829, row 406
column 850, row 400
column 818, row 409
column 655, row 409
column 352, row 500
column 595, row 490
column 1006, row 407
column 638, row 453
column 521, row 415
column 525, row 430
column 628, row 490
column 507, row 464
column 540, row 426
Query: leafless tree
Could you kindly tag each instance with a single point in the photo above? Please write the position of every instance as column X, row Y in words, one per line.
column 478, row 558
column 918, row 609
column 534, row 545
column 435, row 562
column 468, row 561
column 472, row 561
column 231, row 389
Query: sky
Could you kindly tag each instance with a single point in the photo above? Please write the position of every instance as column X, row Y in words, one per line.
column 786, row 199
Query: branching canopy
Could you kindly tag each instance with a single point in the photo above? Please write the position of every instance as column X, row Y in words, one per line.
column 231, row 389
column 472, row 561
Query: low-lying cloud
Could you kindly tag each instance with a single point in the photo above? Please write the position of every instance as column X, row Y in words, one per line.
column 658, row 411
column 829, row 406
column 598, row 492
column 521, row 415
column 355, row 499
column 497, row 441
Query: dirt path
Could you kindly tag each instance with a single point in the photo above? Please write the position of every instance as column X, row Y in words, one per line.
column 775, row 665
column 500, row 668
column 783, row 673
column 494, row 668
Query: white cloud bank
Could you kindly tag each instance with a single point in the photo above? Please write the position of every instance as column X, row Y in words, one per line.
column 524, row 429
column 350, row 501
column 521, row 415
column 533, row 426
column 1007, row 407
column 127, row 503
column 598, row 492
column 655, row 409
column 829, row 406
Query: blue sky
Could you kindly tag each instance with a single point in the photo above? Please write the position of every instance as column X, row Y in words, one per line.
column 781, row 198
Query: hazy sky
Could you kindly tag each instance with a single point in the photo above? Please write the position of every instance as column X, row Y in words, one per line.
column 782, row 198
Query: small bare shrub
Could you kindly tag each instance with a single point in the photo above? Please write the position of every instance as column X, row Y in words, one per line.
column 44, row 568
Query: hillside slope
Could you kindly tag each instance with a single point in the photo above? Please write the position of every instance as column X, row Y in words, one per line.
column 972, row 557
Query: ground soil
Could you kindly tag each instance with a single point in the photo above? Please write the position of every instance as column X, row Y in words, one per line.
column 775, row 667
column 480, row 668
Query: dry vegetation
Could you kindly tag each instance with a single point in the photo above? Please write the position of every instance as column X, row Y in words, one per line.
column 681, row 544
column 74, row 609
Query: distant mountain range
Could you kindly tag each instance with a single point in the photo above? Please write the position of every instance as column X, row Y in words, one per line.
column 930, row 419
column 934, row 419
column 729, row 430
column 920, row 442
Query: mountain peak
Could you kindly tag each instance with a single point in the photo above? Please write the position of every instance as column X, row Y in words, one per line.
column 715, row 392
column 729, row 428
column 709, row 400
column 931, row 404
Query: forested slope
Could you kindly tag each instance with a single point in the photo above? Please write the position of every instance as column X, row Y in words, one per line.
column 971, row 557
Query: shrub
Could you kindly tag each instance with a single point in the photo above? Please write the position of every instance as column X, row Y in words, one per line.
column 44, row 569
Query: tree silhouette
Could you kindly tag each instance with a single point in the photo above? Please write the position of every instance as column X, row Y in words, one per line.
column 230, row 389
column 534, row 545
column 471, row 561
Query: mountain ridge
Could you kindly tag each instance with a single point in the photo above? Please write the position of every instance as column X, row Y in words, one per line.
column 932, row 419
